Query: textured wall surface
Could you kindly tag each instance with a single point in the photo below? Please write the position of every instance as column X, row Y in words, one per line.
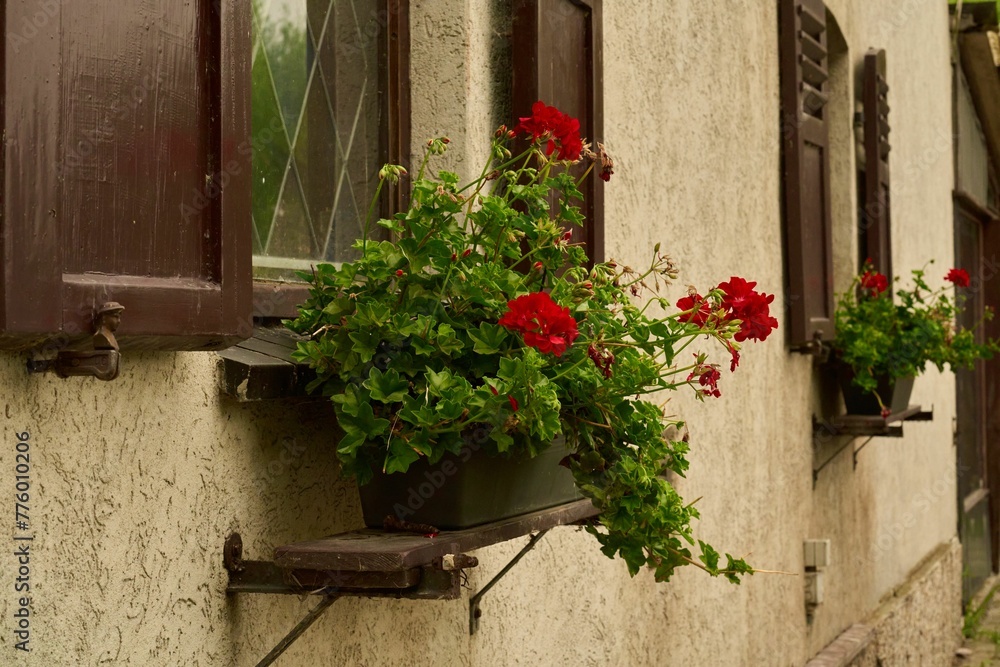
column 139, row 481
column 920, row 623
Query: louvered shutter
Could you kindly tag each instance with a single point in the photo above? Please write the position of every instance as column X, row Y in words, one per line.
column 876, row 216
column 805, row 141
column 556, row 58
column 126, row 171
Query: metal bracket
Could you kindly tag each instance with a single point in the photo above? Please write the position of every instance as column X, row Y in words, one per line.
column 101, row 363
column 815, row 347
column 474, row 611
column 299, row 629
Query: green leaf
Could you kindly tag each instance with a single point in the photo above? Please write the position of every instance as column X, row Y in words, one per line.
column 488, row 338
column 338, row 308
column 446, row 340
column 709, row 556
column 440, row 383
column 400, row 456
column 364, row 423
column 365, row 343
column 450, row 410
column 386, row 387
column 503, row 440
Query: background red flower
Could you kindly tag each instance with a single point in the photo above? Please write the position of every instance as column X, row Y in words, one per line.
column 958, row 277
column 874, row 282
column 546, row 121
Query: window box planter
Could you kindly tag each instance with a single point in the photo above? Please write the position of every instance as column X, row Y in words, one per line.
column 895, row 393
column 469, row 489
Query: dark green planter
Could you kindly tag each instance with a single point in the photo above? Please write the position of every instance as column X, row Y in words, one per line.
column 469, row 489
column 895, row 394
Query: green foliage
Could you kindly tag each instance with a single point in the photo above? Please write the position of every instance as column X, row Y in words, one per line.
column 973, row 618
column 406, row 342
column 878, row 336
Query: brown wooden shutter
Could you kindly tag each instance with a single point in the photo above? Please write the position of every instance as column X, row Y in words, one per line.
column 875, row 218
column 805, row 142
column 126, row 171
column 556, row 58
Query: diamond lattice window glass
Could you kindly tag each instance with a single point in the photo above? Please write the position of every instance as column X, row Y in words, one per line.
column 315, row 130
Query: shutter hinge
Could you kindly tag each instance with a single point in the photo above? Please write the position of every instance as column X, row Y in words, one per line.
column 814, row 347
column 101, row 362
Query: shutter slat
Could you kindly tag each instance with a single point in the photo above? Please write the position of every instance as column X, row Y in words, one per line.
column 813, row 17
column 812, row 47
column 813, row 100
column 813, row 74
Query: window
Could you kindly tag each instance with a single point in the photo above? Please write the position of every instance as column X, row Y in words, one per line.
column 324, row 119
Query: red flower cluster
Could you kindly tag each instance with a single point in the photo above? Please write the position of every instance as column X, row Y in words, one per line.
column 752, row 308
column 546, row 121
column 740, row 302
column 874, row 282
column 543, row 324
column 958, row 277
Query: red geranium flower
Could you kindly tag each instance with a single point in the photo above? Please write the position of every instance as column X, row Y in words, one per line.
column 543, row 324
column 749, row 306
column 874, row 282
column 708, row 377
column 513, row 403
column 548, row 122
column 735, row 361
column 958, row 277
column 690, row 303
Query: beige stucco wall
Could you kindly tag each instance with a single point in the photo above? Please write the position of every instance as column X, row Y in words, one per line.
column 138, row 481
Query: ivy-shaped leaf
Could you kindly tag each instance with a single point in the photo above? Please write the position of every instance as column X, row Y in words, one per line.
column 387, row 387
column 488, row 338
column 400, row 456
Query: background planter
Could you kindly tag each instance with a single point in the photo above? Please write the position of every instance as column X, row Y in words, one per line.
column 469, row 489
column 895, row 393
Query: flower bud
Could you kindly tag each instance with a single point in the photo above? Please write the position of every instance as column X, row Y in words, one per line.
column 538, row 266
column 501, row 131
column 399, row 273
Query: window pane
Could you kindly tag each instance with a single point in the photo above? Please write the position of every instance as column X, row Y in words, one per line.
column 315, row 130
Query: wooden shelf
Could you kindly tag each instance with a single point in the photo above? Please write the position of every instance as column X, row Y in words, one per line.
column 378, row 563
column 826, row 432
column 871, row 425
column 372, row 550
